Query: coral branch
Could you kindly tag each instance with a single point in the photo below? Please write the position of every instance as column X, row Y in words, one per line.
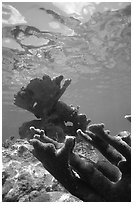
column 108, row 170
column 116, row 142
column 39, row 134
column 57, row 163
column 111, row 154
column 92, row 177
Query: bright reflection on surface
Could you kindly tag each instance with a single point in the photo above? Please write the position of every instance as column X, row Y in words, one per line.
column 14, row 15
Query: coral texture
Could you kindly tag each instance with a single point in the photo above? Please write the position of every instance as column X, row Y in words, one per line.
column 41, row 97
column 89, row 181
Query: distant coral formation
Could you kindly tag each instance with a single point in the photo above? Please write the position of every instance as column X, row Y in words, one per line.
column 55, row 137
column 41, row 97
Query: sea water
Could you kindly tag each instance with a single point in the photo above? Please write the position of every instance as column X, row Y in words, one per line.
column 96, row 56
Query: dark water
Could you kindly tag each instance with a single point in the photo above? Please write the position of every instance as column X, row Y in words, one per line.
column 96, row 56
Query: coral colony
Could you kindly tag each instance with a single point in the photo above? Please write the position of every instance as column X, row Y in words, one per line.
column 55, row 132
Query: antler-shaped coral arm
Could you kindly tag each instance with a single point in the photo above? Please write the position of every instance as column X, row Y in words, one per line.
column 113, row 156
column 57, row 163
column 39, row 134
column 116, row 142
column 87, row 180
column 118, row 152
